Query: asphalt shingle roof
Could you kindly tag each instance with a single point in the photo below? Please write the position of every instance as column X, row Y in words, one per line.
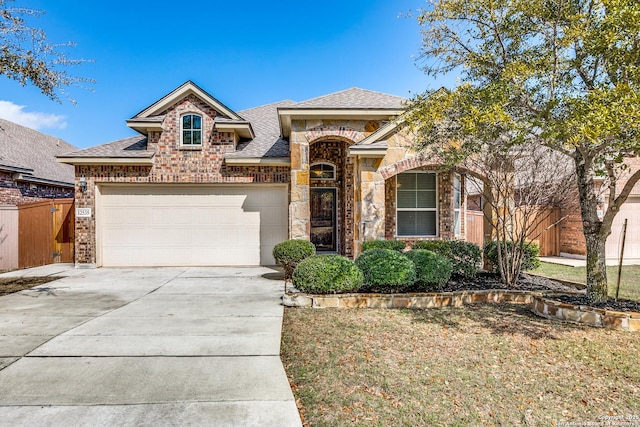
column 132, row 147
column 26, row 148
column 264, row 121
column 354, row 98
column 268, row 142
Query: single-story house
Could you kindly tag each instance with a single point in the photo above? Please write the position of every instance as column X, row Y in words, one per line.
column 29, row 171
column 205, row 185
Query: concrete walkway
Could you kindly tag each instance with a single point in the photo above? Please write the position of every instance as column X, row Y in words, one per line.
column 164, row 346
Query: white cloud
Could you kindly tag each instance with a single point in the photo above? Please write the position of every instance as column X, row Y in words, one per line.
column 34, row 120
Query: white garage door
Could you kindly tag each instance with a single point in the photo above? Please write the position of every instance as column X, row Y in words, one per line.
column 190, row 225
column 631, row 211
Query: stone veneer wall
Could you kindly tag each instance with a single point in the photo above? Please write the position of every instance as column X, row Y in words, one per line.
column 15, row 193
column 172, row 164
column 305, row 134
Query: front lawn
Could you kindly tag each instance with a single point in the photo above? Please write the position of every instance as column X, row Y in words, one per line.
column 468, row 366
column 629, row 285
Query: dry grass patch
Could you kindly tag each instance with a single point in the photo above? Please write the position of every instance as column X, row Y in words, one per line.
column 17, row 284
column 469, row 366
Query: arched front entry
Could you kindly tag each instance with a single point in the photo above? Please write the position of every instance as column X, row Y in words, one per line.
column 331, row 196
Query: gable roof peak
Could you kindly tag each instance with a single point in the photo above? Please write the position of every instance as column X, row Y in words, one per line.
column 185, row 89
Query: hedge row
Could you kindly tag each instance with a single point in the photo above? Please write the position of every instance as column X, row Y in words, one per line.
column 384, row 267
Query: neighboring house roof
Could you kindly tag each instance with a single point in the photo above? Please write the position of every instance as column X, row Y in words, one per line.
column 131, row 150
column 33, row 154
column 267, row 142
column 354, row 98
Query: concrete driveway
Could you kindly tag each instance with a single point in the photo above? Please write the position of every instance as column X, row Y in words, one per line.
column 161, row 346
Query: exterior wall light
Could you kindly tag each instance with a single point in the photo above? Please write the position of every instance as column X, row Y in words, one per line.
column 82, row 183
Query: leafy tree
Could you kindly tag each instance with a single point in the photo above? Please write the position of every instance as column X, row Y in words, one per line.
column 27, row 57
column 558, row 73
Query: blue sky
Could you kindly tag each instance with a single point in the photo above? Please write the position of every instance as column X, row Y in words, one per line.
column 245, row 53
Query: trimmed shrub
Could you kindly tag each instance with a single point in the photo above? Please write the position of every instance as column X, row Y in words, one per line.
column 442, row 247
column 322, row 274
column 432, row 270
column 395, row 245
column 465, row 257
column 530, row 255
column 386, row 270
column 289, row 254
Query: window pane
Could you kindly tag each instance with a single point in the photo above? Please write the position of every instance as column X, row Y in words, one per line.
column 186, row 122
column 322, row 172
column 197, row 122
column 406, row 199
column 197, row 137
column 416, row 223
column 456, row 182
column 406, row 181
column 425, row 199
column 186, row 137
column 425, row 224
column 456, row 223
column 406, row 223
column 426, row 181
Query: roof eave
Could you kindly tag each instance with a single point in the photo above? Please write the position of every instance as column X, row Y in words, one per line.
column 45, row 181
column 134, row 161
column 383, row 132
column 15, row 169
column 262, row 161
column 244, row 130
column 144, row 127
column 286, row 115
column 371, row 153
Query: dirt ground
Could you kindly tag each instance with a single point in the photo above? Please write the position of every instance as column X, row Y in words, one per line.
column 17, row 284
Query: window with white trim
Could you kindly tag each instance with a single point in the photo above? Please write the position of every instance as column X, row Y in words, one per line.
column 322, row 171
column 457, row 205
column 416, row 204
column 191, row 128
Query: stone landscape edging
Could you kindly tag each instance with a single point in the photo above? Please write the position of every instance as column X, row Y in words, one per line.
column 585, row 315
column 538, row 302
column 407, row 300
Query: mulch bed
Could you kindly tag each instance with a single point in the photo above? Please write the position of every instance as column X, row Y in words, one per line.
column 488, row 281
column 611, row 304
column 11, row 285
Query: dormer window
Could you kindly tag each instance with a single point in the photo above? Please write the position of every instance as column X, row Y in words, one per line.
column 323, row 171
column 191, row 129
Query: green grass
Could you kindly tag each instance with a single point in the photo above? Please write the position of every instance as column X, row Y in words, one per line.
column 469, row 366
column 629, row 285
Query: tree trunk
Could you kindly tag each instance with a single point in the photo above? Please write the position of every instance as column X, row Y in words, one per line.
column 594, row 232
column 596, row 268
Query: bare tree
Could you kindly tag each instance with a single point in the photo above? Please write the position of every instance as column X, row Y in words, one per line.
column 29, row 58
column 521, row 186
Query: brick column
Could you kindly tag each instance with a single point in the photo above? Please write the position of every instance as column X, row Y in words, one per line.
column 299, row 210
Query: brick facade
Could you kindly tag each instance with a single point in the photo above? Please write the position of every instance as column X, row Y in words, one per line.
column 173, row 164
column 444, row 212
column 365, row 184
column 18, row 192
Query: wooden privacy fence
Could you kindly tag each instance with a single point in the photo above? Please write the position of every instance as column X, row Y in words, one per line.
column 37, row 234
column 546, row 233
